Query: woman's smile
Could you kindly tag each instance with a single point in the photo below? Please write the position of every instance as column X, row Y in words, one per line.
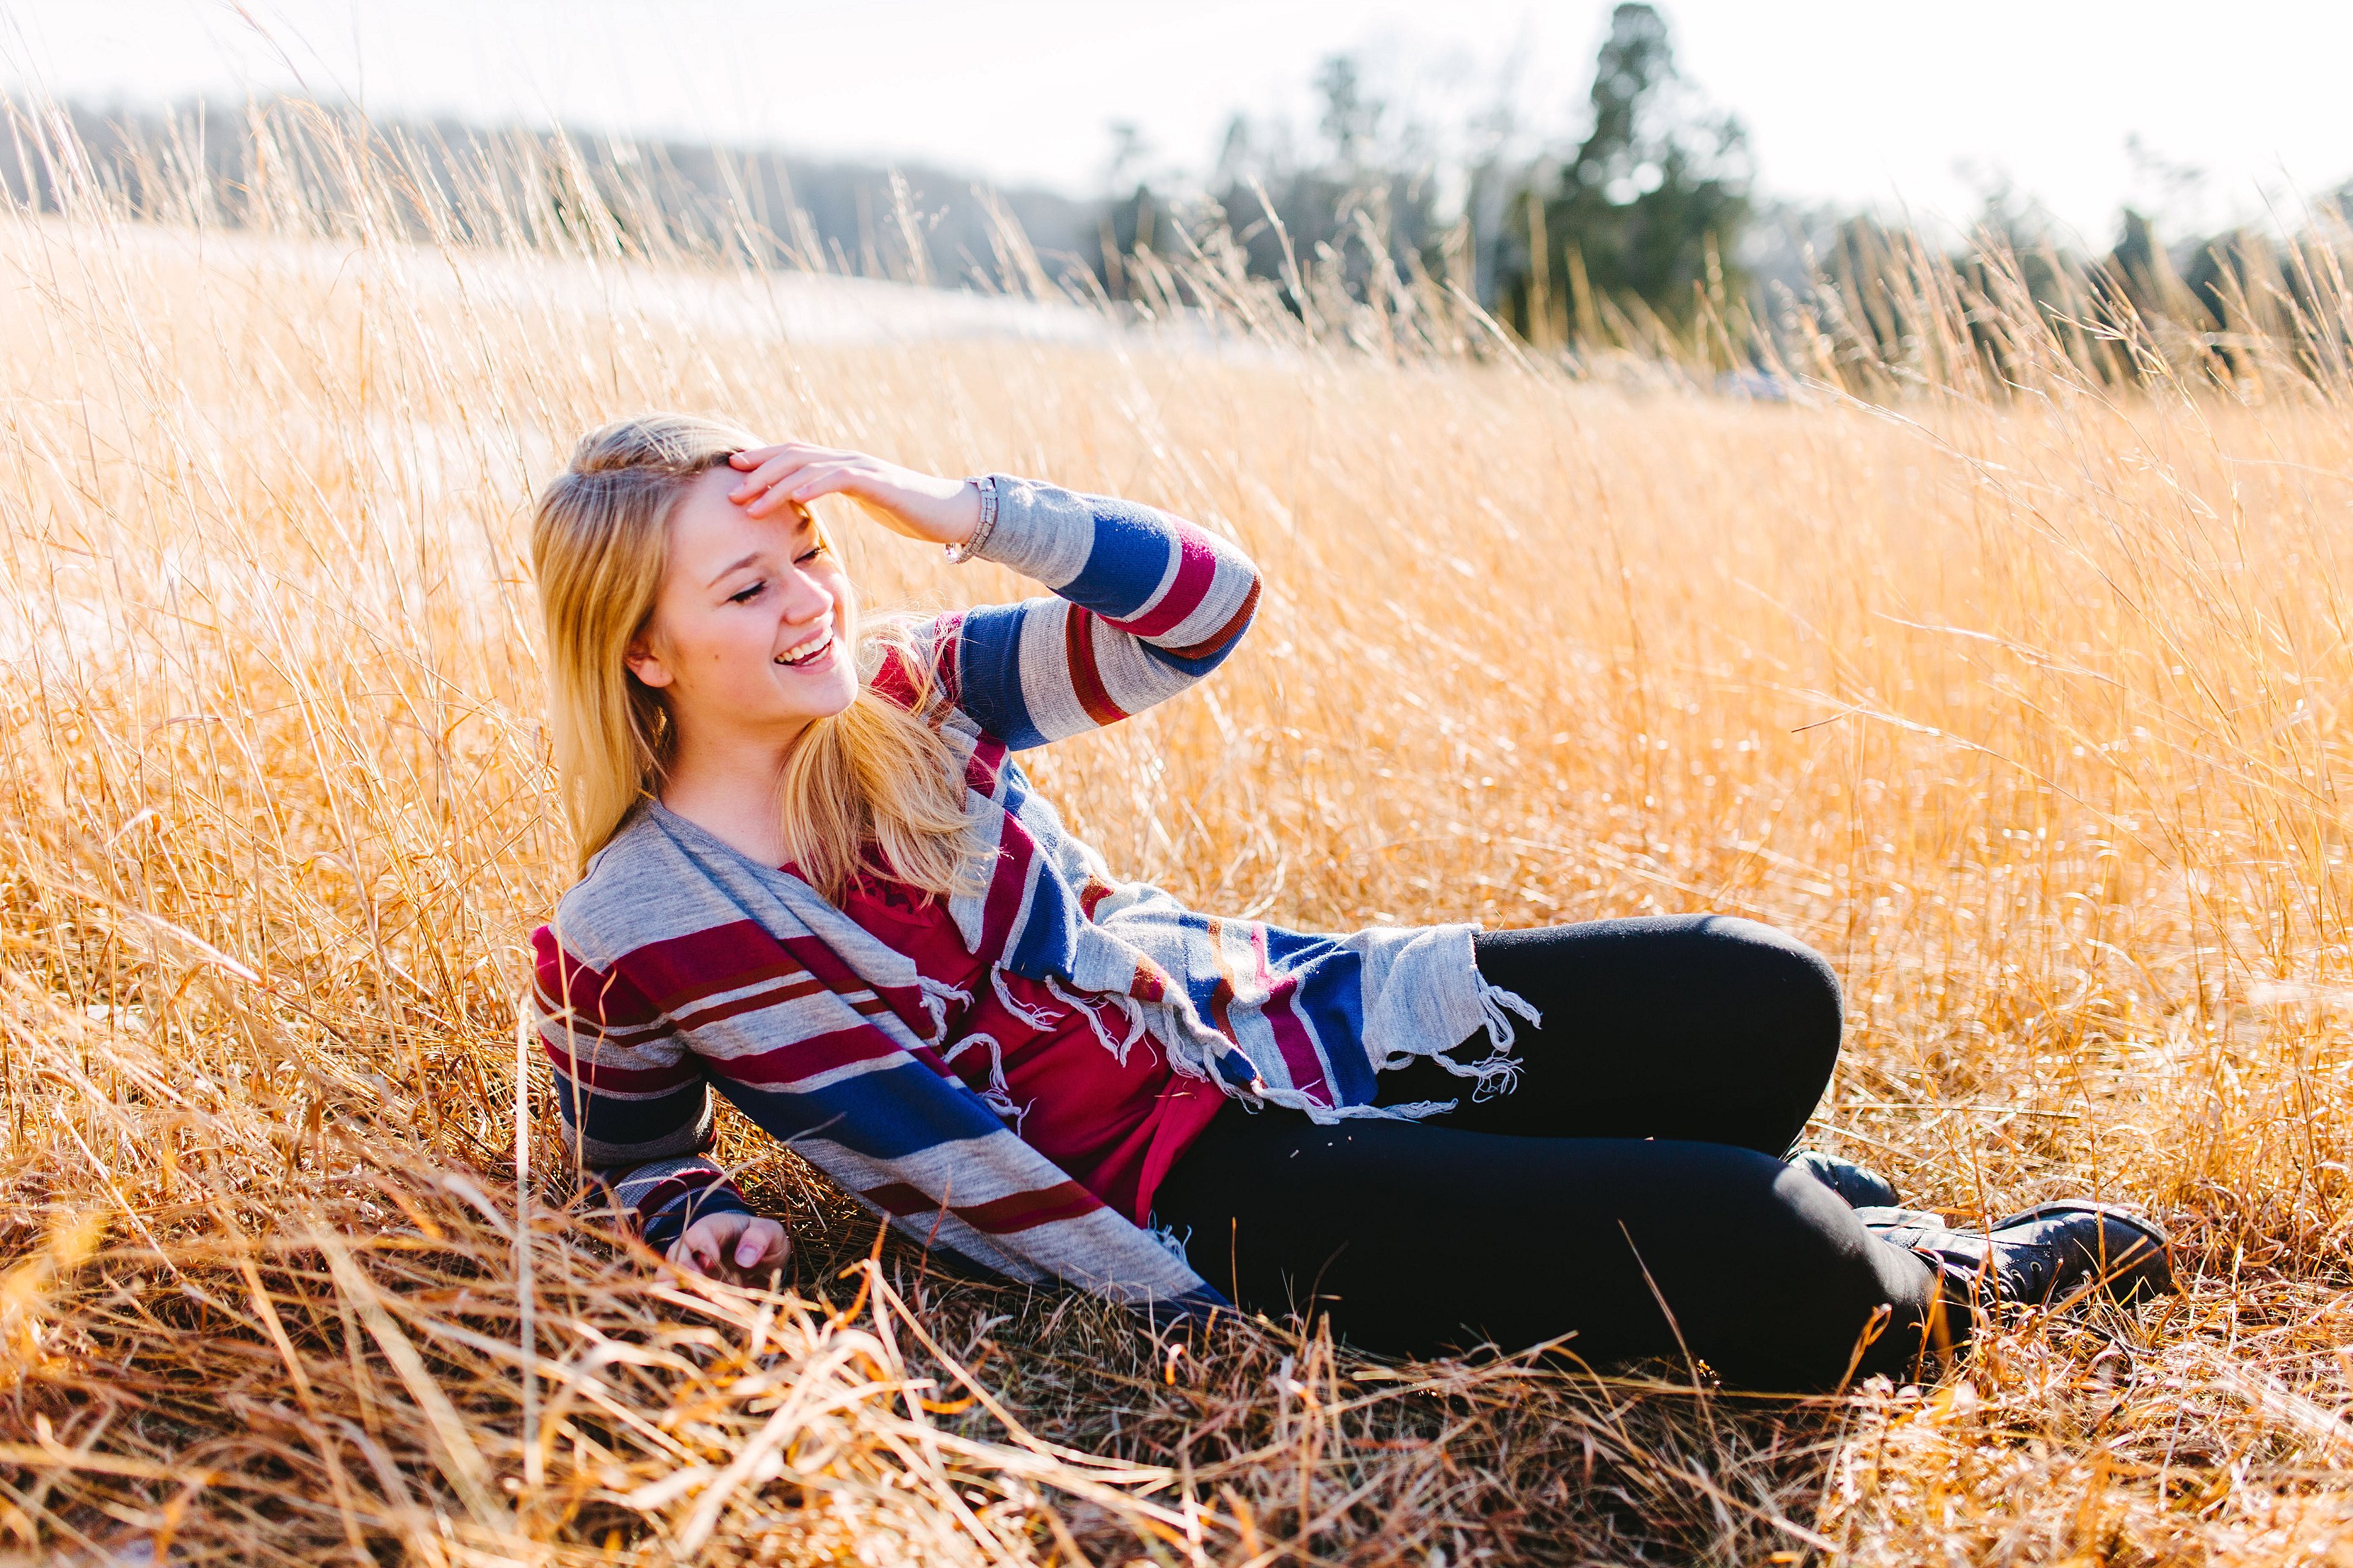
column 815, row 648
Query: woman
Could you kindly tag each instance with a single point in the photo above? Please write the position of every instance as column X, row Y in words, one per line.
column 816, row 881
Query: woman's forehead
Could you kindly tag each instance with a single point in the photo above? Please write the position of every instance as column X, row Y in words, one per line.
column 706, row 522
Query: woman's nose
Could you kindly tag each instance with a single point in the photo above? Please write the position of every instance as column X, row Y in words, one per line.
column 806, row 598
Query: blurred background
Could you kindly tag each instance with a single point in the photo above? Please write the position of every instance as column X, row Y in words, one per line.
column 1581, row 170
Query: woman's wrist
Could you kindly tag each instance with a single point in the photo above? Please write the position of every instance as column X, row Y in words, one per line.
column 982, row 493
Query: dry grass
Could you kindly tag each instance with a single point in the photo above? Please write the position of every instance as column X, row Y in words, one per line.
column 2024, row 707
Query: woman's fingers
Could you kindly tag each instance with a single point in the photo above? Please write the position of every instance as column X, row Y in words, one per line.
column 829, row 479
column 779, row 464
column 704, row 1244
column 822, row 480
column 803, row 476
column 764, row 1243
column 915, row 504
column 717, row 1242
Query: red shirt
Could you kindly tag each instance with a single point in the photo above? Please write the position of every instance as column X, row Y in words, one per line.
column 1113, row 1128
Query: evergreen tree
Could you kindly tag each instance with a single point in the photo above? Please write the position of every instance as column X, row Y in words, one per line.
column 1649, row 208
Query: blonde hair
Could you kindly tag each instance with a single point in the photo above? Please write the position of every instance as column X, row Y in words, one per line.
column 872, row 788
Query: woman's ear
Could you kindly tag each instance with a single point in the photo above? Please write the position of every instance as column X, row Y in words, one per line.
column 646, row 664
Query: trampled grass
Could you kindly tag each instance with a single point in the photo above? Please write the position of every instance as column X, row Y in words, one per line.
column 2023, row 704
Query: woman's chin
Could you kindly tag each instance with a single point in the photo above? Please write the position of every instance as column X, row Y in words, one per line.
column 821, row 693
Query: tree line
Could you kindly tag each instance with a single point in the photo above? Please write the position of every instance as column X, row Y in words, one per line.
column 1645, row 234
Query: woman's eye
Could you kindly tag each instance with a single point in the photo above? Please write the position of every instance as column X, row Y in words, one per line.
column 747, row 595
column 813, row 554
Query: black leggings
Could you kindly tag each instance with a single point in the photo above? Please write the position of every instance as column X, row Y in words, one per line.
column 1638, row 1162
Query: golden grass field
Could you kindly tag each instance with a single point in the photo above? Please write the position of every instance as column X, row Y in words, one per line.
column 2026, row 706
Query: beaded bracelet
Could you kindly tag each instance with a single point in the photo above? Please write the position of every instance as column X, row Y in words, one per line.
column 987, row 484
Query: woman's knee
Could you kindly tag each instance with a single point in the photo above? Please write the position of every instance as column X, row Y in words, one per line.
column 1786, row 1282
column 1787, row 988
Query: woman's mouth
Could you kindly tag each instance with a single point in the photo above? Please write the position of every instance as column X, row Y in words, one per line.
column 803, row 654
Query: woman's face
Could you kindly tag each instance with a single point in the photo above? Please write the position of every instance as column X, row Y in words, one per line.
column 751, row 634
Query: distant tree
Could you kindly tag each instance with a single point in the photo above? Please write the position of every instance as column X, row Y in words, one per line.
column 1363, row 201
column 2141, row 272
column 1649, row 208
column 1351, row 121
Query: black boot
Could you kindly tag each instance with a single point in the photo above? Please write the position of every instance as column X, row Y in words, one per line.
column 2050, row 1255
column 1860, row 1188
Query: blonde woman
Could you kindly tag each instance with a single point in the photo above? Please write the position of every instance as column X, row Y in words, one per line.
column 816, row 881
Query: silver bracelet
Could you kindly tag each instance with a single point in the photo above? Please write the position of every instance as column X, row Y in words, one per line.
column 987, row 484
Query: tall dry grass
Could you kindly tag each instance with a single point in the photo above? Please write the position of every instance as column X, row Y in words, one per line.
column 2022, row 702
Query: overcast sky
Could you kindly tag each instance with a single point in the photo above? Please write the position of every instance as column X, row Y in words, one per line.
column 1860, row 101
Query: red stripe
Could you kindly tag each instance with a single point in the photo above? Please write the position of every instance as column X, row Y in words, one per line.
column 1225, row 634
column 1022, row 1211
column 947, row 637
column 1221, row 994
column 661, row 1193
column 898, row 1198
column 579, row 1027
column 566, row 984
column 801, row 984
column 1196, row 568
column 675, row 1185
column 677, row 971
column 807, row 1058
column 1086, row 681
column 988, row 758
column 894, row 680
column 933, row 1059
column 1291, row 1037
column 1221, row 1008
column 998, row 1216
column 1015, row 850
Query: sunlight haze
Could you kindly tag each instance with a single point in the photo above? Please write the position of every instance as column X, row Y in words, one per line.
column 1934, row 105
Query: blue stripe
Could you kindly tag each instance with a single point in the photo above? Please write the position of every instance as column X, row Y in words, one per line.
column 668, row 1224
column 1202, row 990
column 1201, row 666
column 1131, row 550
column 989, row 665
column 626, row 1121
column 1235, row 1067
column 1330, row 1002
column 883, row 1115
column 1013, row 791
column 1042, row 940
column 1290, row 950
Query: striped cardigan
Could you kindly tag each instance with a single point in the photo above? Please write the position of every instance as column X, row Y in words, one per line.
column 678, row 966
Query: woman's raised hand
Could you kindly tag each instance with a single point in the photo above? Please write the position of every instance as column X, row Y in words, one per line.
column 740, row 1244
column 921, row 506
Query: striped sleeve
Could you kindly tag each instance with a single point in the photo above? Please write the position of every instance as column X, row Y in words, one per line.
column 1148, row 605
column 636, row 1104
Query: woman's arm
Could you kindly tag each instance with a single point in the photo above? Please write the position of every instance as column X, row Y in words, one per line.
column 1148, row 603
column 637, row 1109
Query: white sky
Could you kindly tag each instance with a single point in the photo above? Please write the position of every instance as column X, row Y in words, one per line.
column 1863, row 101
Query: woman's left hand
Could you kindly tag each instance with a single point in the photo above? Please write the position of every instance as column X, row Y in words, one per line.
column 921, row 506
